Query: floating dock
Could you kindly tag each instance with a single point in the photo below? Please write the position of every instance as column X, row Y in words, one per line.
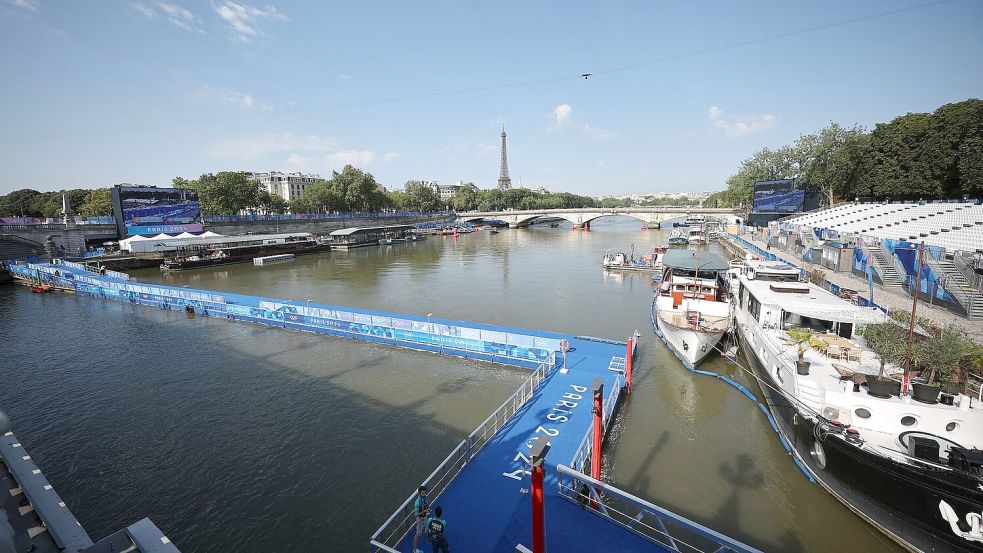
column 273, row 259
column 485, row 485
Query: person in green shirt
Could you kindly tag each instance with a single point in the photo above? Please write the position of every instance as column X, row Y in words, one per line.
column 421, row 508
column 436, row 528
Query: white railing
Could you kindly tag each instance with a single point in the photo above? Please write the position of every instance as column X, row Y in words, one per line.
column 393, row 531
column 670, row 530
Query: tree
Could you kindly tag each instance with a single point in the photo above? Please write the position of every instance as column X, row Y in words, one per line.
column 227, row 193
column 20, row 203
column 97, row 202
column 358, row 189
column 914, row 156
column 421, row 197
column 183, row 183
column 943, row 354
column 887, row 341
column 271, row 203
column 321, row 197
column 466, row 198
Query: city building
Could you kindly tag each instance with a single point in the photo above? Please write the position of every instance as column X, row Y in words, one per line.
column 448, row 191
column 289, row 186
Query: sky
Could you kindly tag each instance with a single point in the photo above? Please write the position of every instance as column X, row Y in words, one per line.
column 98, row 93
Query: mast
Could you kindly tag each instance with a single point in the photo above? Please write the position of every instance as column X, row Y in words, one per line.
column 914, row 305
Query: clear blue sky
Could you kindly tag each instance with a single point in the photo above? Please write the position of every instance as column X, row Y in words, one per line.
column 97, row 93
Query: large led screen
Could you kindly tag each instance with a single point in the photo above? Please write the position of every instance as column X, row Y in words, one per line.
column 777, row 196
column 149, row 210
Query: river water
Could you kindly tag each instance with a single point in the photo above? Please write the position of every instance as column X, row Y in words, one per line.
column 234, row 437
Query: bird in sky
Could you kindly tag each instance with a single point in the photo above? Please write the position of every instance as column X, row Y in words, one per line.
column 586, row 76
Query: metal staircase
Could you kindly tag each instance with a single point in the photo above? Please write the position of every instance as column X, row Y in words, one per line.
column 884, row 266
column 955, row 282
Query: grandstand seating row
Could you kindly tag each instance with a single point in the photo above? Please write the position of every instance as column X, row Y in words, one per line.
column 953, row 226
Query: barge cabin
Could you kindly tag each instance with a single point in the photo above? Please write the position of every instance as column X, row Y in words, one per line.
column 356, row 237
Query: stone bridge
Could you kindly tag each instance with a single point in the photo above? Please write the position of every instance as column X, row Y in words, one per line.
column 72, row 237
column 651, row 216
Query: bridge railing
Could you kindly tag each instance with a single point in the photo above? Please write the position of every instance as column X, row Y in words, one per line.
column 396, row 527
column 661, row 526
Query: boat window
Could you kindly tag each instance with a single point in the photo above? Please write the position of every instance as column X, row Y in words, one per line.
column 862, row 413
column 908, row 420
column 754, row 308
column 680, row 287
column 952, row 426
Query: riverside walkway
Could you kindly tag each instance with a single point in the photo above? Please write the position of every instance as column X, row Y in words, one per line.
column 484, row 485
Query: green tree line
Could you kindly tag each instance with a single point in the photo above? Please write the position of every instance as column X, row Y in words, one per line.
column 31, row 203
column 915, row 156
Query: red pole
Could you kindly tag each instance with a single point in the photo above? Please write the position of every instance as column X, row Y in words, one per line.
column 628, row 360
column 539, row 451
column 595, row 452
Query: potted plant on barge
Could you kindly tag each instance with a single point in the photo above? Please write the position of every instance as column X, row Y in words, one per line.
column 941, row 357
column 887, row 342
column 804, row 339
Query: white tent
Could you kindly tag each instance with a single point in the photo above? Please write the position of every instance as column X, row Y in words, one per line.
column 186, row 235
column 126, row 245
column 211, row 234
column 162, row 236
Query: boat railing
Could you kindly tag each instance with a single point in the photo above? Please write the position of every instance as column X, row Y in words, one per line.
column 581, row 456
column 667, row 529
column 978, row 385
column 706, row 323
column 393, row 531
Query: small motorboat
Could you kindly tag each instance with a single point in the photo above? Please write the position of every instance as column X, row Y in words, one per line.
column 41, row 289
column 677, row 238
column 492, row 231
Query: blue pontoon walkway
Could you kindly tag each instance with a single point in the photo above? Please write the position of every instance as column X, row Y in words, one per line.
column 484, row 484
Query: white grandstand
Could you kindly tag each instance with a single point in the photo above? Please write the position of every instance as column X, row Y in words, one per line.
column 953, row 226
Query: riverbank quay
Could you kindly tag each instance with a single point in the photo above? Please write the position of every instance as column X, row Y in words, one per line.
column 492, row 462
column 886, row 298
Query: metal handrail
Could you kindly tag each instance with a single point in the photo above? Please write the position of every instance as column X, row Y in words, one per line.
column 399, row 523
column 618, row 506
column 580, row 455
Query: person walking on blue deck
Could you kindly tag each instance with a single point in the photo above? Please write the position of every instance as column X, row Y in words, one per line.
column 435, row 531
column 422, row 509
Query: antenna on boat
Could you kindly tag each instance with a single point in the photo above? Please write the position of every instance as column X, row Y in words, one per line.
column 916, row 287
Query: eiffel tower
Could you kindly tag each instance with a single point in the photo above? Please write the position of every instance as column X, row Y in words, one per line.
column 504, row 182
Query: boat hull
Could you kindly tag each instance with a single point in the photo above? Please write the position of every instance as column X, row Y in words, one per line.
column 900, row 501
column 244, row 258
column 690, row 346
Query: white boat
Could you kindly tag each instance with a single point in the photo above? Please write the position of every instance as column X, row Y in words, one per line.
column 691, row 307
column 913, row 470
column 677, row 238
column 651, row 261
column 713, row 229
column 695, row 220
column 696, row 236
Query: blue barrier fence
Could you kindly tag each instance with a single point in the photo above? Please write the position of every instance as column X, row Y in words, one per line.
column 491, row 343
column 326, row 216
